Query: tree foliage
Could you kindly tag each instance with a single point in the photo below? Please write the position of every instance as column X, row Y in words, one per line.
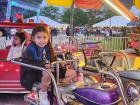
column 83, row 17
column 80, row 17
column 51, row 12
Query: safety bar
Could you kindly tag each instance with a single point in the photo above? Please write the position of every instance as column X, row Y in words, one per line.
column 23, row 44
column 57, row 66
column 41, row 69
column 102, row 54
column 115, row 76
column 127, row 60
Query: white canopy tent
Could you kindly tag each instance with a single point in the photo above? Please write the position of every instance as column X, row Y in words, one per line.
column 46, row 20
column 135, row 11
column 113, row 21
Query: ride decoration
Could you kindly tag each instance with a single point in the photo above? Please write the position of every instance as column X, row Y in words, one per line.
column 88, row 4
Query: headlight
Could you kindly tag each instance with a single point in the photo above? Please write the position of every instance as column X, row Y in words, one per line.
column 133, row 92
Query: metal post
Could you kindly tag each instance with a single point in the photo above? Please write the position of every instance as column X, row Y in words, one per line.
column 8, row 12
column 71, row 19
column 110, row 26
column 38, row 13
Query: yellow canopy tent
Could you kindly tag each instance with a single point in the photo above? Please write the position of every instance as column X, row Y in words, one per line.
column 64, row 3
column 137, row 4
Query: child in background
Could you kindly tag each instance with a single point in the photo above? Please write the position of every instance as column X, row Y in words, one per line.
column 16, row 50
column 40, row 53
column 2, row 38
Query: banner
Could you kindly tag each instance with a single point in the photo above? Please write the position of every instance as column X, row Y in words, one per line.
column 64, row 3
column 88, row 4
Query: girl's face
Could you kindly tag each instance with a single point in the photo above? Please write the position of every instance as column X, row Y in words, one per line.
column 1, row 33
column 17, row 41
column 41, row 39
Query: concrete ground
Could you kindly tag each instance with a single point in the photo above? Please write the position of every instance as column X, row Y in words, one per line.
column 12, row 99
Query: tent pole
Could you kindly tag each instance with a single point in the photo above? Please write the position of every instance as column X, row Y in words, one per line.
column 110, row 29
column 71, row 19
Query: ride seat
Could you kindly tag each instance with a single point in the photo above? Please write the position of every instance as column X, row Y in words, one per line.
column 130, row 74
column 3, row 54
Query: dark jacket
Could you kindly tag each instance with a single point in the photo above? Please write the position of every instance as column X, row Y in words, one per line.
column 33, row 55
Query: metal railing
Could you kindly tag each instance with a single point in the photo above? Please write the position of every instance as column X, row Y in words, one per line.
column 107, row 43
column 65, row 40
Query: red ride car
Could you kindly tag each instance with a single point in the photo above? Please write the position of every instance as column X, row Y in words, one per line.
column 9, row 72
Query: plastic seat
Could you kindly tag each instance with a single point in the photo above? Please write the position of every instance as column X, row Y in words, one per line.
column 130, row 74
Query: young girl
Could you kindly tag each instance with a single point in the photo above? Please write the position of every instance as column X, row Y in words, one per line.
column 16, row 50
column 40, row 53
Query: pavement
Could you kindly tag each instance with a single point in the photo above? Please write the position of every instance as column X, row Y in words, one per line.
column 12, row 99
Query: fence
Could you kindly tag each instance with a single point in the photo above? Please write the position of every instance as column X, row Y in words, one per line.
column 107, row 43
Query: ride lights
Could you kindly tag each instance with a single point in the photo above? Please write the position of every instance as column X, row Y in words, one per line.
column 6, row 70
column 1, row 65
column 121, row 9
column 17, row 70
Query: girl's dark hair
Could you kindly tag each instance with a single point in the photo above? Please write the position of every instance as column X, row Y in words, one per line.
column 3, row 31
column 40, row 29
column 21, row 36
column 46, row 30
column 19, row 21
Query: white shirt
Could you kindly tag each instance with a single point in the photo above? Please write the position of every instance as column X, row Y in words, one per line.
column 2, row 42
column 14, row 52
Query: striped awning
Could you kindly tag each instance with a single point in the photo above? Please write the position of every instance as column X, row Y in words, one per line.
column 87, row 4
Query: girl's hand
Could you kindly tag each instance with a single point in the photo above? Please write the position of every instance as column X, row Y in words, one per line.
column 48, row 66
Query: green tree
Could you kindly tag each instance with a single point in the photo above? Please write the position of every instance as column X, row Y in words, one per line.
column 80, row 17
column 83, row 17
column 51, row 12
